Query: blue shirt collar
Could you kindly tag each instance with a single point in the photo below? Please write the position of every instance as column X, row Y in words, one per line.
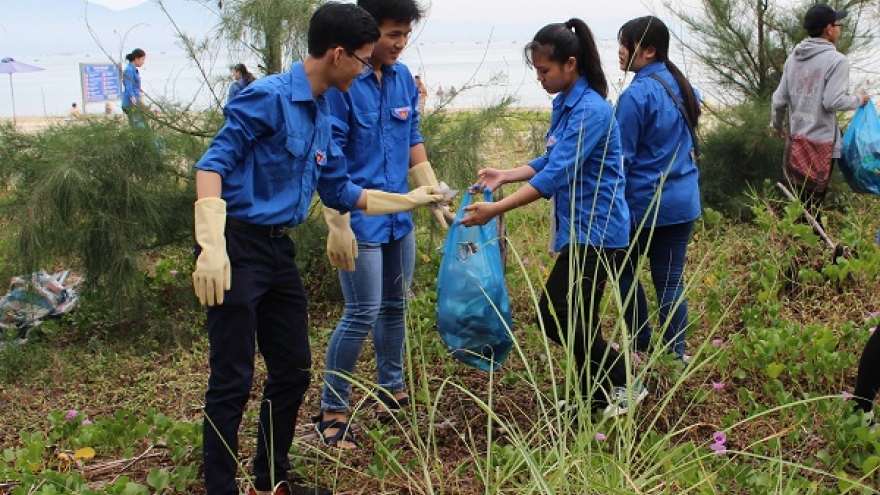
column 574, row 96
column 386, row 69
column 652, row 68
column 300, row 89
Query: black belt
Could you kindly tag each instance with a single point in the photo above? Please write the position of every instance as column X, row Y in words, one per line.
column 267, row 230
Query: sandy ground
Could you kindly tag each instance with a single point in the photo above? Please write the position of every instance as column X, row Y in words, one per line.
column 36, row 124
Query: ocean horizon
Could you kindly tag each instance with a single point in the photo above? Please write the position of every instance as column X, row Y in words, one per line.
column 487, row 71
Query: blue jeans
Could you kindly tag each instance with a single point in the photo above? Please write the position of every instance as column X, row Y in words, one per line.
column 666, row 249
column 375, row 301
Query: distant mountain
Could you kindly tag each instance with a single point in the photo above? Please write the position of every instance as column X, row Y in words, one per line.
column 46, row 27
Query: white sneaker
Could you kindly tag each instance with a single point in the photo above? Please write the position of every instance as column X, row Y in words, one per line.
column 623, row 399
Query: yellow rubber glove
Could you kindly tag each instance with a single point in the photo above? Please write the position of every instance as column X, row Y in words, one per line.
column 381, row 202
column 342, row 247
column 422, row 174
column 212, row 275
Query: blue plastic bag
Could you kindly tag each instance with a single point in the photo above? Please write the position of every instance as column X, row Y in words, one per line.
column 473, row 310
column 860, row 164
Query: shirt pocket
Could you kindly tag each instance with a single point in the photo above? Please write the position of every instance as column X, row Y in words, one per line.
column 364, row 130
column 401, row 118
column 295, row 162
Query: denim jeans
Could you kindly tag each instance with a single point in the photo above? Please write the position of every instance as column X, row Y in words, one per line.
column 375, row 301
column 666, row 249
column 570, row 311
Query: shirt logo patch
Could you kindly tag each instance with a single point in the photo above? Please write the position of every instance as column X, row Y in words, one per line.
column 402, row 112
column 551, row 141
column 319, row 157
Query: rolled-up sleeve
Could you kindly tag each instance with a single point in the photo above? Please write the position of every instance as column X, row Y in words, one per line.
column 247, row 117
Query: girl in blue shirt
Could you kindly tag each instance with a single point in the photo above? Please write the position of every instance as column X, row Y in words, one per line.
column 661, row 179
column 241, row 78
column 132, row 94
column 581, row 173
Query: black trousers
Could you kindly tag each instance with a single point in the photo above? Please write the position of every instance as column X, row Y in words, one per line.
column 266, row 307
column 868, row 379
column 569, row 308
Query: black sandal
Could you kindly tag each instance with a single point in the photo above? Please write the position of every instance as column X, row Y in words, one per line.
column 342, row 435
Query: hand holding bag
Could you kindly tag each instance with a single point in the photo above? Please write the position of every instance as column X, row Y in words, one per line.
column 473, row 309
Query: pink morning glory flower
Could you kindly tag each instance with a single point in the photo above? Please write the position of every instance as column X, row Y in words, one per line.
column 717, row 385
column 87, row 421
column 846, row 395
column 719, row 438
column 719, row 448
column 174, row 273
column 600, row 437
column 71, row 414
column 717, row 342
column 615, row 346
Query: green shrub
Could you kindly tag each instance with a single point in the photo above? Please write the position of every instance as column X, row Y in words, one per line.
column 739, row 154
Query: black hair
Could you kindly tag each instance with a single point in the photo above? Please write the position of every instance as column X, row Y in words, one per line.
column 646, row 31
column 242, row 69
column 135, row 54
column 561, row 41
column 340, row 24
column 403, row 11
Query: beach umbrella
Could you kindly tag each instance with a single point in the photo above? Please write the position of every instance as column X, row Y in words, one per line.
column 9, row 66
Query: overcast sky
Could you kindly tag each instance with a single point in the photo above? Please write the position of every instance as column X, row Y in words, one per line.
column 45, row 27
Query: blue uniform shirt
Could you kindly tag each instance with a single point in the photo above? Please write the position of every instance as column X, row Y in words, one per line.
column 375, row 126
column 131, row 83
column 582, row 170
column 657, row 143
column 236, row 87
column 275, row 151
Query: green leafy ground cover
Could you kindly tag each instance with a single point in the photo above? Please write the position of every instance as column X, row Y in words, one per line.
column 97, row 404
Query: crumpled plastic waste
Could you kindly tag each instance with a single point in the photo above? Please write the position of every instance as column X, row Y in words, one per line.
column 32, row 299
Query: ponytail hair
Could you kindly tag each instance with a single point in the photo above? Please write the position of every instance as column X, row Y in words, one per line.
column 649, row 31
column 242, row 69
column 560, row 41
column 135, row 54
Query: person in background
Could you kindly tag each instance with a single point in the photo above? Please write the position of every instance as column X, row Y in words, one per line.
column 254, row 183
column 812, row 90
column 582, row 173
column 423, row 94
column 132, row 94
column 662, row 188
column 241, row 78
column 74, row 110
column 377, row 126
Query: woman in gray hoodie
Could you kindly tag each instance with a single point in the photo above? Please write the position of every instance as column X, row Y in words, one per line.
column 812, row 89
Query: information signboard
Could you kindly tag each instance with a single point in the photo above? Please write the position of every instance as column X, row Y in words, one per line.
column 100, row 82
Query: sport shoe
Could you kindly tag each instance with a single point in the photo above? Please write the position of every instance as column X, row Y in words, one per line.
column 288, row 488
column 622, row 399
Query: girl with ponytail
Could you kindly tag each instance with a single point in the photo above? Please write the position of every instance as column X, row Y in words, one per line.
column 582, row 173
column 658, row 114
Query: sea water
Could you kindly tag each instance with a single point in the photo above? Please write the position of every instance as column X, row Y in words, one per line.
column 486, row 71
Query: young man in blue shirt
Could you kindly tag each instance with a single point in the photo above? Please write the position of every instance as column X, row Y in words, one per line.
column 376, row 123
column 254, row 183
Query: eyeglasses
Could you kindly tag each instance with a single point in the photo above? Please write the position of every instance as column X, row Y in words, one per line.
column 366, row 65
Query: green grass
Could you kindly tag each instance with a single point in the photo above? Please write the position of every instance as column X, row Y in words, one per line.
column 777, row 329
